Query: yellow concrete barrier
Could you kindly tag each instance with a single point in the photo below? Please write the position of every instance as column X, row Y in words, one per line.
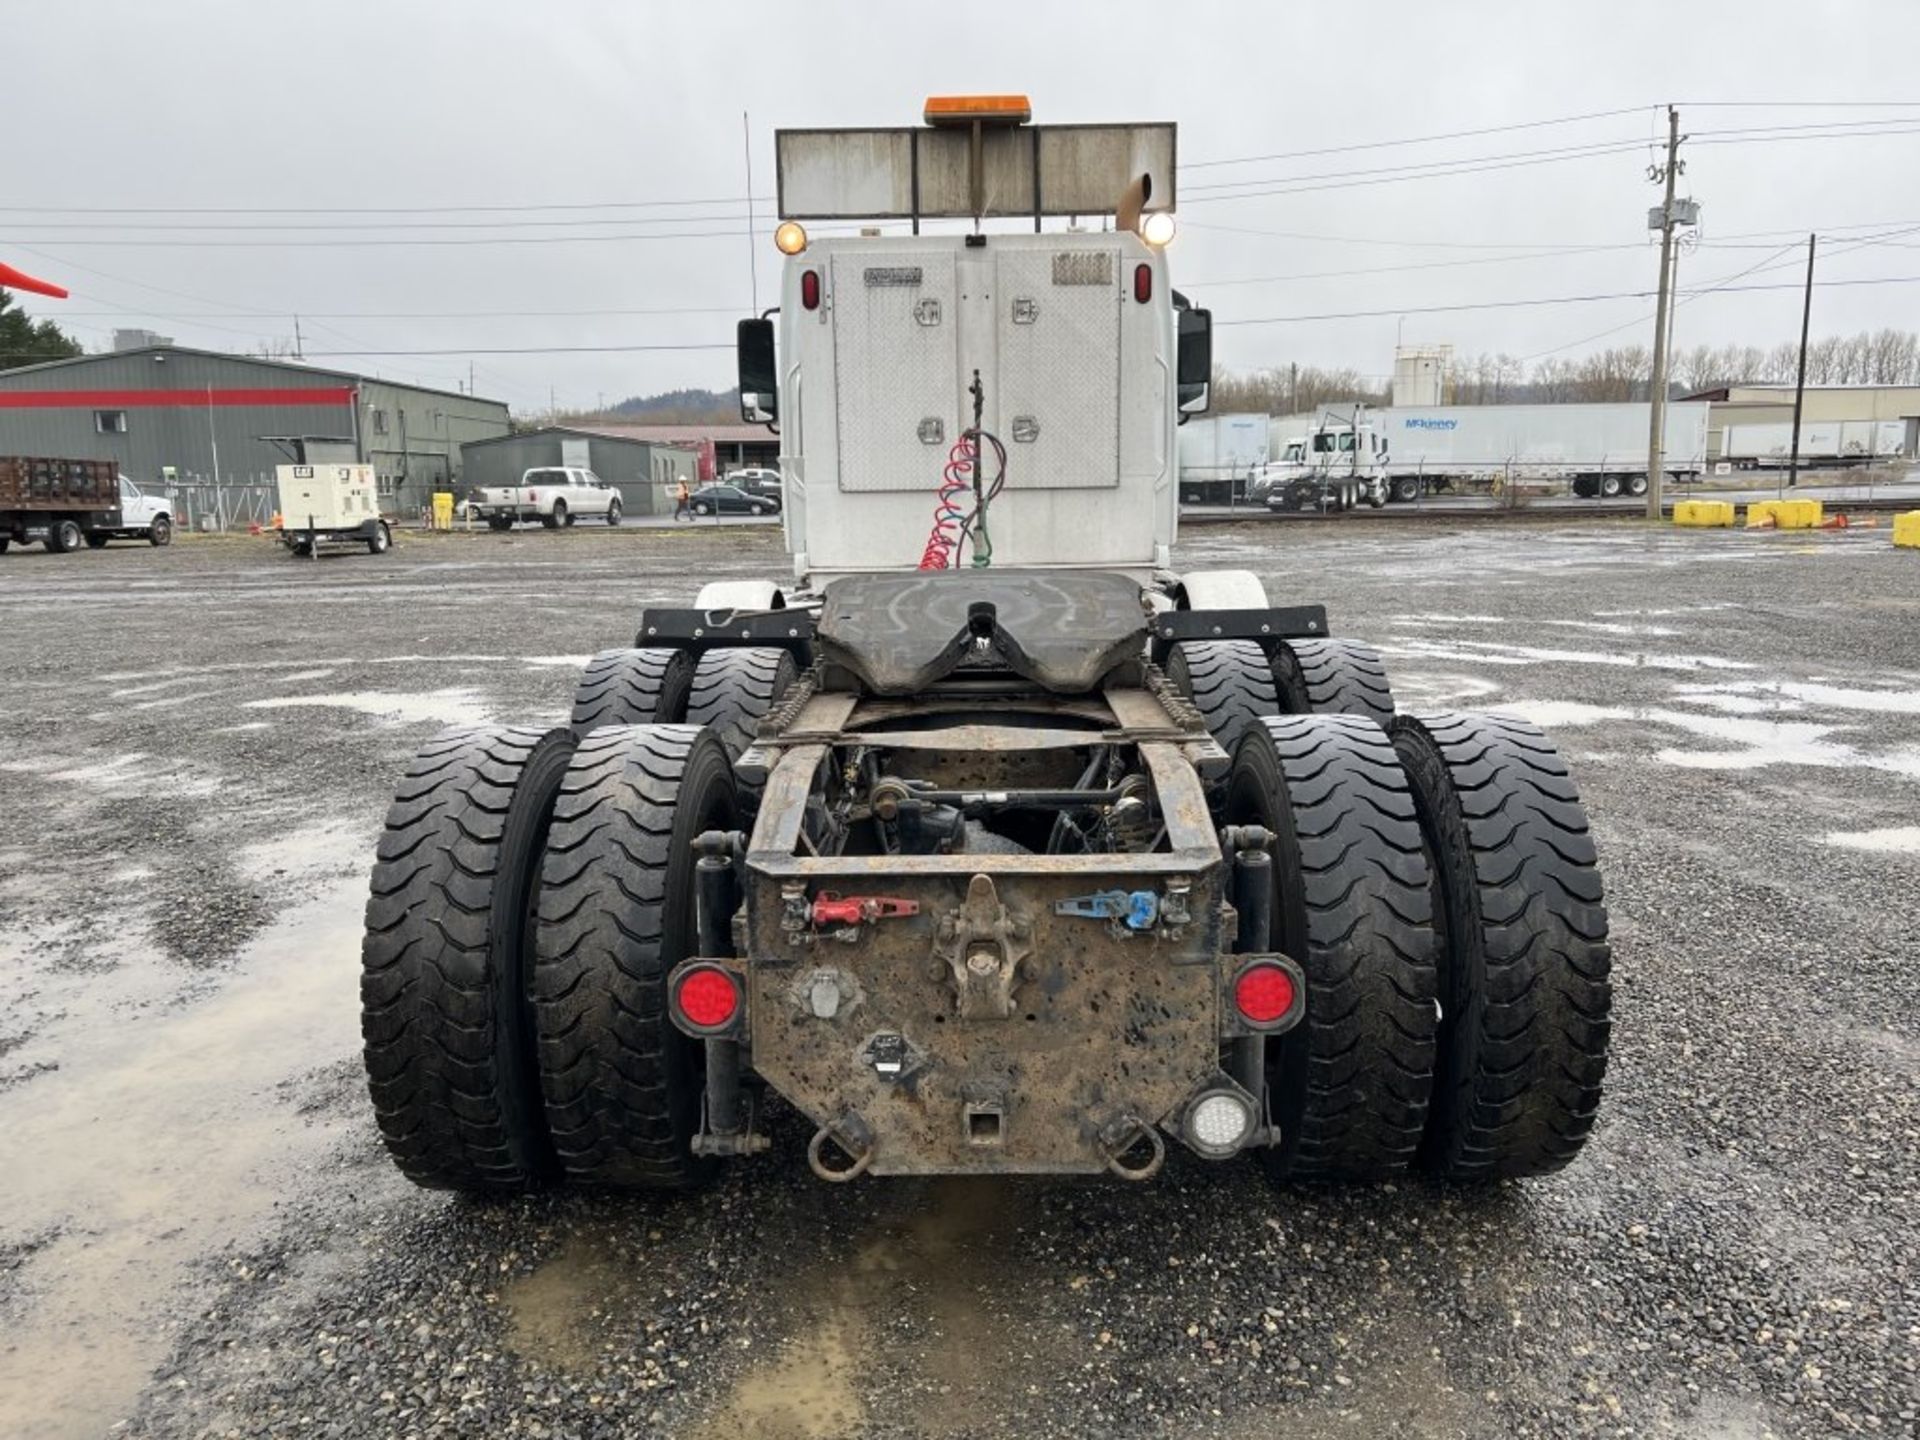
column 1783, row 515
column 1703, row 512
column 1906, row 529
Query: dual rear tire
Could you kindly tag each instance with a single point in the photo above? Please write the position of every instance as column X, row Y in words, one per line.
column 1436, row 879
column 531, row 892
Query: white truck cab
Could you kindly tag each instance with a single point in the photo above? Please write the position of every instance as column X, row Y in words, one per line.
column 957, row 399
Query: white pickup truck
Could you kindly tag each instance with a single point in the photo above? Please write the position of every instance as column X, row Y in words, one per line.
column 554, row 495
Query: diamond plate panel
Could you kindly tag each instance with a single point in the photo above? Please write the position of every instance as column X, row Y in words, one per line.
column 1057, row 317
column 896, row 338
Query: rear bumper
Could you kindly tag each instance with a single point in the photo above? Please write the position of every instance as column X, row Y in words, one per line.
column 995, row 1020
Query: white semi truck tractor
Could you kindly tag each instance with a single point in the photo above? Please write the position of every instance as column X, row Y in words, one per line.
column 985, row 840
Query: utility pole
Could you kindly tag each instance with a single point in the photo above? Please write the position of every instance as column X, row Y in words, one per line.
column 1800, row 379
column 753, row 240
column 299, row 349
column 1657, row 394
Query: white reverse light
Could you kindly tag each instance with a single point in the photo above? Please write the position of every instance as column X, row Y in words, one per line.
column 1219, row 1122
column 1157, row 228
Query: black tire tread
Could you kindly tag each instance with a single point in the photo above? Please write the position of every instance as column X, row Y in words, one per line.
column 448, row 1056
column 734, row 689
column 616, row 914
column 1332, row 677
column 645, row 686
column 1526, row 966
column 1351, row 1081
column 1230, row 683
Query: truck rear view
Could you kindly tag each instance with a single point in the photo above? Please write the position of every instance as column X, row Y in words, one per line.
column 988, row 843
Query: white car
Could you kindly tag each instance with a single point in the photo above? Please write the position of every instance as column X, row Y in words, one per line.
column 555, row 495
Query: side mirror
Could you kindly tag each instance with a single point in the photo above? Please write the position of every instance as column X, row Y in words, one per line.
column 1193, row 370
column 759, row 373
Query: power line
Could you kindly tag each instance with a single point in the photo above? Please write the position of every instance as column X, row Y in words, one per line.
column 1419, row 139
column 1543, row 300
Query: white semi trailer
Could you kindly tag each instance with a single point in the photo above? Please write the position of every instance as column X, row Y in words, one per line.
column 1597, row 450
column 1218, row 457
column 1831, row 442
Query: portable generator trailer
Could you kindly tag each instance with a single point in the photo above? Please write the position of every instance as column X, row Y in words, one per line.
column 989, row 844
column 327, row 499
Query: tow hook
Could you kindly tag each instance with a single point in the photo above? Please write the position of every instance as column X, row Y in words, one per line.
column 849, row 1136
column 1133, row 1148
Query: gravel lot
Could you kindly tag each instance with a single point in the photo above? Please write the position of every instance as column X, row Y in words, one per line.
column 199, row 1234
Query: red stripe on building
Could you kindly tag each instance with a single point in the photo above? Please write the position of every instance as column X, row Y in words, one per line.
column 168, row 399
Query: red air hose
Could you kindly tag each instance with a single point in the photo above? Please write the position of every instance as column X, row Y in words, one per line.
column 949, row 510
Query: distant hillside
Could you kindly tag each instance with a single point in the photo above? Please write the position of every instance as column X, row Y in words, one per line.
column 679, row 407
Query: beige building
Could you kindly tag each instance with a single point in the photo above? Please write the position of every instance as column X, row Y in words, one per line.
column 1773, row 404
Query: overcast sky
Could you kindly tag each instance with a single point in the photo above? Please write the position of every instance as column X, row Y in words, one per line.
column 416, row 108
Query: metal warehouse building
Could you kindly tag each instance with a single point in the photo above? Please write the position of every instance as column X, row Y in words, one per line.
column 205, row 416
column 643, row 469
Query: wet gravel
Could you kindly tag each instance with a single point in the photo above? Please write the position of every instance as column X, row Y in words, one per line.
column 1733, row 1256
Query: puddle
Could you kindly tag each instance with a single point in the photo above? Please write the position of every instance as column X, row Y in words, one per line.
column 458, row 705
column 1414, row 690
column 124, row 777
column 1560, row 714
column 1902, row 840
column 1758, row 743
column 915, row 1278
column 1798, row 695
column 158, row 1142
column 325, row 848
column 554, row 1309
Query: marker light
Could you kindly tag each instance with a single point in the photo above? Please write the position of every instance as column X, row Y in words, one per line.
column 810, row 289
column 1143, row 282
column 1157, row 228
column 708, row 996
column 790, row 238
column 1263, row 993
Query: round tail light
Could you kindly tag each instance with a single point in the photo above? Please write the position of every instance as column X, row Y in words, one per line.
column 1264, row 993
column 708, row 996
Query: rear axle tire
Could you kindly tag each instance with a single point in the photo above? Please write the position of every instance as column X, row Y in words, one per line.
column 633, row 687
column 735, row 689
column 1332, row 677
column 1230, row 683
column 1349, row 1085
column 448, row 1043
column 623, row 1086
column 1524, row 962
column 64, row 537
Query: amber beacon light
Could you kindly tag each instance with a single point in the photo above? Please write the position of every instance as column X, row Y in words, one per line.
column 985, row 109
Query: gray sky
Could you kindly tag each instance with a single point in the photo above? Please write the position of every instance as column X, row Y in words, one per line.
column 407, row 105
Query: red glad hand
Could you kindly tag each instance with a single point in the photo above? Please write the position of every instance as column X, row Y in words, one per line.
column 831, row 909
column 18, row 280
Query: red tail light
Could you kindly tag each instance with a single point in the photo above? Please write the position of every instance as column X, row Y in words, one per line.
column 1264, row 993
column 708, row 996
column 1143, row 283
column 810, row 289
